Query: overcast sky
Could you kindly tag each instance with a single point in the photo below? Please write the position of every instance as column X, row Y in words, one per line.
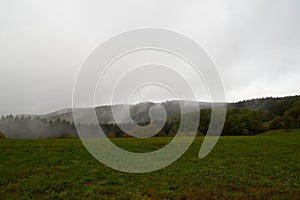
column 255, row 44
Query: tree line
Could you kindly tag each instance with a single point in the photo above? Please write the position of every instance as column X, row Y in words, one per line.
column 283, row 113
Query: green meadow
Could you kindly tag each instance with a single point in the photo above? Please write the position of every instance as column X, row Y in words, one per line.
column 264, row 166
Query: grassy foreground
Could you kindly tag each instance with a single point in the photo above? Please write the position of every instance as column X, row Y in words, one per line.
column 265, row 166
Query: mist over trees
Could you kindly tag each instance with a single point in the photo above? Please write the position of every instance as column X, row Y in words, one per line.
column 2, row 136
column 27, row 127
column 243, row 118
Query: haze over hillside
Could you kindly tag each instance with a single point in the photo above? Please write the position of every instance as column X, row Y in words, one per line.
column 263, row 114
column 140, row 112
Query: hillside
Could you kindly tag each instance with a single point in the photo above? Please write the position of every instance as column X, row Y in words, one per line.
column 139, row 112
column 242, row 118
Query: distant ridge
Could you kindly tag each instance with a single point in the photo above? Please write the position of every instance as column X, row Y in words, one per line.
column 140, row 112
column 242, row 118
column 259, row 103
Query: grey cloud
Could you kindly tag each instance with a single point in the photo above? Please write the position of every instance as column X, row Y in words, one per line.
column 255, row 44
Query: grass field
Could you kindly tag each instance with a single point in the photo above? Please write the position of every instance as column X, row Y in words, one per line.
column 265, row 166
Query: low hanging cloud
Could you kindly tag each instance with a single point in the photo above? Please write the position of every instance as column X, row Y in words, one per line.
column 255, row 44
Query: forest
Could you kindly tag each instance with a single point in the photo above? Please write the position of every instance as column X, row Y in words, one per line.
column 242, row 118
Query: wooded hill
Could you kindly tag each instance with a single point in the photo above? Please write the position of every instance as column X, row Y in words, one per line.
column 242, row 118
